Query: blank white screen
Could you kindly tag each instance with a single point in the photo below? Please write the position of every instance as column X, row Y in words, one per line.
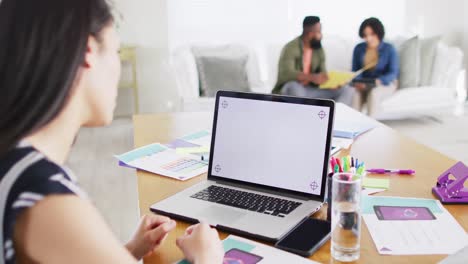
column 271, row 143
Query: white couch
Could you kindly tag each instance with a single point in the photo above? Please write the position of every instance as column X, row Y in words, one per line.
column 447, row 89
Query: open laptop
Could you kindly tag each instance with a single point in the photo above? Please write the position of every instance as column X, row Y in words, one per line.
column 267, row 169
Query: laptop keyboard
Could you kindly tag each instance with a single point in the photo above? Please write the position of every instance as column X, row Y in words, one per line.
column 247, row 200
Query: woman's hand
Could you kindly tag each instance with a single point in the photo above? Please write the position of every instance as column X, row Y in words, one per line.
column 150, row 234
column 378, row 82
column 201, row 244
column 359, row 86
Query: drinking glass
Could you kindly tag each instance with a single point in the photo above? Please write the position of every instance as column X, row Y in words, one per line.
column 346, row 216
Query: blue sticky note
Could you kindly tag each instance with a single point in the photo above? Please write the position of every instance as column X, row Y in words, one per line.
column 141, row 152
column 369, row 202
column 196, row 135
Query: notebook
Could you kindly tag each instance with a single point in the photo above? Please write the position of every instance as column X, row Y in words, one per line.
column 351, row 129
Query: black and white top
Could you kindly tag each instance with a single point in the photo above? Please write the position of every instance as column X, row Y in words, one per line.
column 26, row 177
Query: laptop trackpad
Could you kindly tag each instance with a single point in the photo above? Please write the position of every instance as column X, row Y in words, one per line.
column 219, row 215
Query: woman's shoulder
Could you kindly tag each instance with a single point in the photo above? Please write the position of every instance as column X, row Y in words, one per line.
column 388, row 46
column 27, row 176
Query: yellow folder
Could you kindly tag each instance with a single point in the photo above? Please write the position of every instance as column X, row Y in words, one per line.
column 337, row 79
column 340, row 78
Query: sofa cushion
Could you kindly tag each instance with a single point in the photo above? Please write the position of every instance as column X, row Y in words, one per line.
column 447, row 60
column 410, row 99
column 428, row 53
column 409, row 53
column 221, row 73
column 185, row 69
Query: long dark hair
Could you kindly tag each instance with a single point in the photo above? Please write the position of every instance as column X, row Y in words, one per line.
column 42, row 45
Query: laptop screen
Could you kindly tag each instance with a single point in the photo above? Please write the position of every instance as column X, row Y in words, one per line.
column 271, row 143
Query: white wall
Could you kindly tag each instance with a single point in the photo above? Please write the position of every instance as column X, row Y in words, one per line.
column 465, row 37
column 247, row 21
column 448, row 19
column 437, row 17
column 343, row 18
column 242, row 21
column 157, row 26
column 145, row 25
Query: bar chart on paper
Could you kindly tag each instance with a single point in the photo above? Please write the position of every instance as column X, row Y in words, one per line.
column 183, row 165
column 160, row 159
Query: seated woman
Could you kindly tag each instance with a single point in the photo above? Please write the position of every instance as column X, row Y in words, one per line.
column 380, row 59
column 59, row 69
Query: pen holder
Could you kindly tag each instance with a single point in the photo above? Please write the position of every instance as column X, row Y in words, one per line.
column 348, row 165
column 346, row 216
column 329, row 193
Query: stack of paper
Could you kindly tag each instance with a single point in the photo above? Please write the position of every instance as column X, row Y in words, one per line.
column 410, row 226
column 344, row 143
column 240, row 250
column 460, row 257
column 180, row 159
column 350, row 124
column 350, row 129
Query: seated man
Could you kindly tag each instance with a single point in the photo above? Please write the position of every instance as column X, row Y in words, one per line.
column 302, row 68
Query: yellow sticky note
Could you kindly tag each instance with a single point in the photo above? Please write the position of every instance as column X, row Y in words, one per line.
column 195, row 150
column 376, row 183
column 336, row 79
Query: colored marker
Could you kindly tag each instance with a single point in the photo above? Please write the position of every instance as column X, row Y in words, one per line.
column 387, row 171
column 346, row 165
column 339, row 165
column 332, row 162
column 360, row 170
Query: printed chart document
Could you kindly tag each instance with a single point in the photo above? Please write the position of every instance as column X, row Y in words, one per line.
column 159, row 159
column 243, row 251
column 457, row 258
column 200, row 138
column 179, row 159
column 410, row 226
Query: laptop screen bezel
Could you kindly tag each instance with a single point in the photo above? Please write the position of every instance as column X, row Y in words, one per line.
column 281, row 99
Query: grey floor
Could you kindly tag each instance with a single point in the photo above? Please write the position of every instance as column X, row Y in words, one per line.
column 444, row 132
column 114, row 190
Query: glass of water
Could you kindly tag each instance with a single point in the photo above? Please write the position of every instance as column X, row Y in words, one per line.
column 346, row 216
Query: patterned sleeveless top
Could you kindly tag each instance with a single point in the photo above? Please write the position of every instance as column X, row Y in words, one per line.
column 26, row 177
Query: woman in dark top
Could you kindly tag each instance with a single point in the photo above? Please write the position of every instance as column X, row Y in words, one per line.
column 59, row 69
column 380, row 59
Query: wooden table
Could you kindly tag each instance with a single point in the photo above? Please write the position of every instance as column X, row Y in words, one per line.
column 381, row 147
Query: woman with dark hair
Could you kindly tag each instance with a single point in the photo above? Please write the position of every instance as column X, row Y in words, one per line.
column 59, row 69
column 380, row 60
